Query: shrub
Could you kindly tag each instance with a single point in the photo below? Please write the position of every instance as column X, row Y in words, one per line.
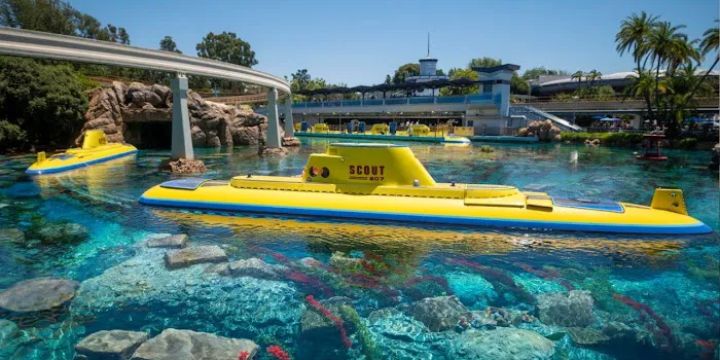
column 45, row 101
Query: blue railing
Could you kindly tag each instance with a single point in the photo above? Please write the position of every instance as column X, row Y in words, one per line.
column 467, row 99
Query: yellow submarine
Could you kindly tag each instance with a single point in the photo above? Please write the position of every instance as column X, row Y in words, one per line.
column 416, row 133
column 95, row 149
column 368, row 181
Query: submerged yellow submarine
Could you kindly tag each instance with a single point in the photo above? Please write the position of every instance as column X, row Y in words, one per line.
column 95, row 149
column 387, row 182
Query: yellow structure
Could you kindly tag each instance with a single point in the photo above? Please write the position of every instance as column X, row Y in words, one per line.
column 320, row 128
column 95, row 149
column 380, row 129
column 418, row 130
column 387, row 182
column 464, row 131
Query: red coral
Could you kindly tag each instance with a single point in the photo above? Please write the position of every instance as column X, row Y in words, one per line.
column 278, row 352
column 707, row 348
column 280, row 258
column 332, row 317
column 665, row 330
column 309, row 281
column 244, row 355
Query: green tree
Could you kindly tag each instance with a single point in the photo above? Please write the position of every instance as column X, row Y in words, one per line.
column 42, row 15
column 634, row 37
column 671, row 48
column 300, row 80
column 709, row 44
column 578, row 75
column 456, row 74
column 518, row 85
column 593, row 76
column 56, row 16
column 168, row 44
column 226, row 47
column 388, row 79
column 404, row 71
column 46, row 101
column 484, row 62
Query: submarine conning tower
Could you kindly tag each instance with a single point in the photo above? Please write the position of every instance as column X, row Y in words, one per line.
column 367, row 163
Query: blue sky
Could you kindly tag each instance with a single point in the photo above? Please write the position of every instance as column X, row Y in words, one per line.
column 359, row 42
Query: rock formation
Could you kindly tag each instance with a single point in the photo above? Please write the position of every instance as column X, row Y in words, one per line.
column 544, row 130
column 37, row 295
column 111, row 344
column 193, row 345
column 113, row 108
column 572, row 309
column 183, row 166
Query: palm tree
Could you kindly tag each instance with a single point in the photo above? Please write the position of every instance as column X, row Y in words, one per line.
column 668, row 46
column 578, row 75
column 643, row 87
column 709, row 43
column 633, row 36
column 594, row 75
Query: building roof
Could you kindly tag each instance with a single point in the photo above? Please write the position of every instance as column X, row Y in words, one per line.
column 607, row 77
column 510, row 67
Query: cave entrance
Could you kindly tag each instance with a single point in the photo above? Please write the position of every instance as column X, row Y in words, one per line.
column 149, row 134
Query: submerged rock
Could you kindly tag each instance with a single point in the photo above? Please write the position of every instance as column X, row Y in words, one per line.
column 315, row 325
column 272, row 152
column 471, row 288
column 37, row 294
column 255, row 267
column 207, row 301
column 8, row 330
column 399, row 336
column 192, row 345
column 572, row 309
column 396, row 325
column 439, row 313
column 587, row 336
column 111, row 344
column 195, row 255
column 62, row 233
column 501, row 344
column 12, row 235
column 178, row 241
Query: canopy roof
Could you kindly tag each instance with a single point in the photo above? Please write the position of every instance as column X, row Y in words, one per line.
column 434, row 84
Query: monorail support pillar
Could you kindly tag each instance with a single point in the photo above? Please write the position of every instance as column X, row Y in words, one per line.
column 181, row 147
column 289, row 129
column 273, row 129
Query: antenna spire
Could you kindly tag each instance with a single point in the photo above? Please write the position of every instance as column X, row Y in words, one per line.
column 428, row 45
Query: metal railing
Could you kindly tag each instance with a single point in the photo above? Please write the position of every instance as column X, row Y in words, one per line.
column 37, row 44
column 418, row 100
column 533, row 113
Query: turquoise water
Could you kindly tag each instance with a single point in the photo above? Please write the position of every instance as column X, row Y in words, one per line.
column 655, row 297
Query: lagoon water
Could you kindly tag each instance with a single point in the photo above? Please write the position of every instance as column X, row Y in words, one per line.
column 631, row 296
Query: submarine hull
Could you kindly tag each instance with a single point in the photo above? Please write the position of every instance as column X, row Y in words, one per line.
column 562, row 215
